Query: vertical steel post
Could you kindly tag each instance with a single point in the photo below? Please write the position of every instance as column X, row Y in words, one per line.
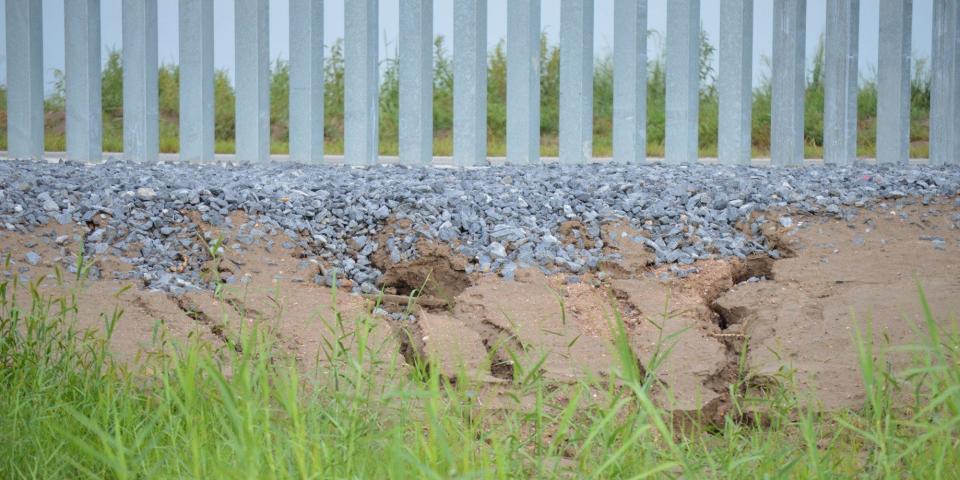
column 893, row 82
column 252, row 38
column 416, row 82
column 469, row 82
column 523, row 82
column 25, row 79
column 736, row 81
column 576, row 81
column 945, row 84
column 84, row 110
column 630, row 80
column 196, row 80
column 306, row 81
column 361, row 105
column 789, row 77
column 141, row 119
column 683, row 81
column 840, row 82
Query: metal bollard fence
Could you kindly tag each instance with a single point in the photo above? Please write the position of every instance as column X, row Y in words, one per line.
column 945, row 85
column 840, row 82
column 893, row 84
column 306, row 80
column 789, row 82
column 84, row 107
column 252, row 32
column 469, row 82
column 630, row 80
column 196, row 80
column 576, row 80
column 141, row 116
column 523, row 82
column 735, row 87
column 683, row 81
column 416, row 81
column 25, row 78
column 361, row 110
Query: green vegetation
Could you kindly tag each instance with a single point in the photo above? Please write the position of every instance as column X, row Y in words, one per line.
column 245, row 410
column 496, row 117
column 3, row 116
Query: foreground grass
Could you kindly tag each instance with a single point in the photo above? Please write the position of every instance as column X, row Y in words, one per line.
column 68, row 410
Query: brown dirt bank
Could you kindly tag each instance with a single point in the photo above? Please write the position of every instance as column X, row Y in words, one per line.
column 795, row 316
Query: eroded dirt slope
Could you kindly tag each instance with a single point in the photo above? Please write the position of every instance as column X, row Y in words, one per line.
column 795, row 315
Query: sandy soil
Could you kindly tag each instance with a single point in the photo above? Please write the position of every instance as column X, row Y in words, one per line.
column 801, row 321
column 794, row 316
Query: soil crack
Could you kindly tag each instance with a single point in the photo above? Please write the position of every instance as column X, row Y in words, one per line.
column 733, row 332
column 243, row 310
column 500, row 343
column 192, row 311
column 412, row 345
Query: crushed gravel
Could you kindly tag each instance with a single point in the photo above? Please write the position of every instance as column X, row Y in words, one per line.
column 500, row 218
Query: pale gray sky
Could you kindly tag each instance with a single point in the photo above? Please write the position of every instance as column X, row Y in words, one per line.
column 443, row 24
